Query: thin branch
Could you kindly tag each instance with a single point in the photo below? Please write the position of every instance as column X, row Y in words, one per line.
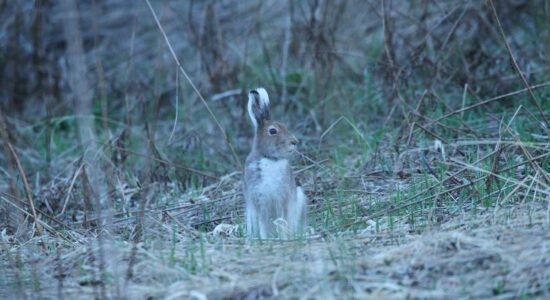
column 236, row 157
column 177, row 108
column 164, row 162
column 500, row 97
column 73, row 181
column 514, row 62
column 26, row 186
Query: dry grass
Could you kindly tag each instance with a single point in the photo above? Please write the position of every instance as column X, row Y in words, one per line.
column 459, row 258
column 451, row 250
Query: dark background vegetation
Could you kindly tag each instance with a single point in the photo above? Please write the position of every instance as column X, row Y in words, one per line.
column 367, row 60
column 99, row 125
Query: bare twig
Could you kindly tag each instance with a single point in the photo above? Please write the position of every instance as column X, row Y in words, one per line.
column 44, row 224
column 334, row 124
column 544, row 191
column 226, row 94
column 164, row 162
column 500, row 97
column 437, row 137
column 22, row 202
column 314, row 164
column 236, row 157
column 26, row 186
column 529, row 157
column 514, row 62
column 177, row 108
column 75, row 176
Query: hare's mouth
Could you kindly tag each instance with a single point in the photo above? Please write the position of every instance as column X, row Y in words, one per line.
column 292, row 149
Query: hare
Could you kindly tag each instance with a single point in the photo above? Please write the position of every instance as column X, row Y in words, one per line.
column 275, row 202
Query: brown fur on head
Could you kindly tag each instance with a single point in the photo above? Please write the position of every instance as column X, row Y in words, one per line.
column 271, row 139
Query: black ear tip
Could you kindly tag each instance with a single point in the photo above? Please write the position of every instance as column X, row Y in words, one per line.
column 253, row 92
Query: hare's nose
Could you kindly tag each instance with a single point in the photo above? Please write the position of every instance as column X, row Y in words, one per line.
column 294, row 141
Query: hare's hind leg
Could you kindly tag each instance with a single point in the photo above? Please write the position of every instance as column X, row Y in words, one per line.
column 258, row 220
column 301, row 201
column 252, row 226
column 297, row 214
column 264, row 229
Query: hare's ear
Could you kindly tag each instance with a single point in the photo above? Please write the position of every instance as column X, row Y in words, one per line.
column 258, row 106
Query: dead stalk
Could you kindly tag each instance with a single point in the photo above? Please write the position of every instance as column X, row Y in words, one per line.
column 514, row 62
column 26, row 186
column 75, row 176
column 235, row 156
column 500, row 97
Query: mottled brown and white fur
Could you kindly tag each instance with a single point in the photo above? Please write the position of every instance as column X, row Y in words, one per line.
column 275, row 204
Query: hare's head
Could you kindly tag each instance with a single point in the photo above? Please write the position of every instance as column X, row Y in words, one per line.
column 271, row 139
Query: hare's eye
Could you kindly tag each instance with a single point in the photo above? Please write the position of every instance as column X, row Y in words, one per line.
column 272, row 131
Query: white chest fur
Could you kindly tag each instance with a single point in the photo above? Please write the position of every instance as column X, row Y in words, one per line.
column 271, row 195
column 274, row 175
